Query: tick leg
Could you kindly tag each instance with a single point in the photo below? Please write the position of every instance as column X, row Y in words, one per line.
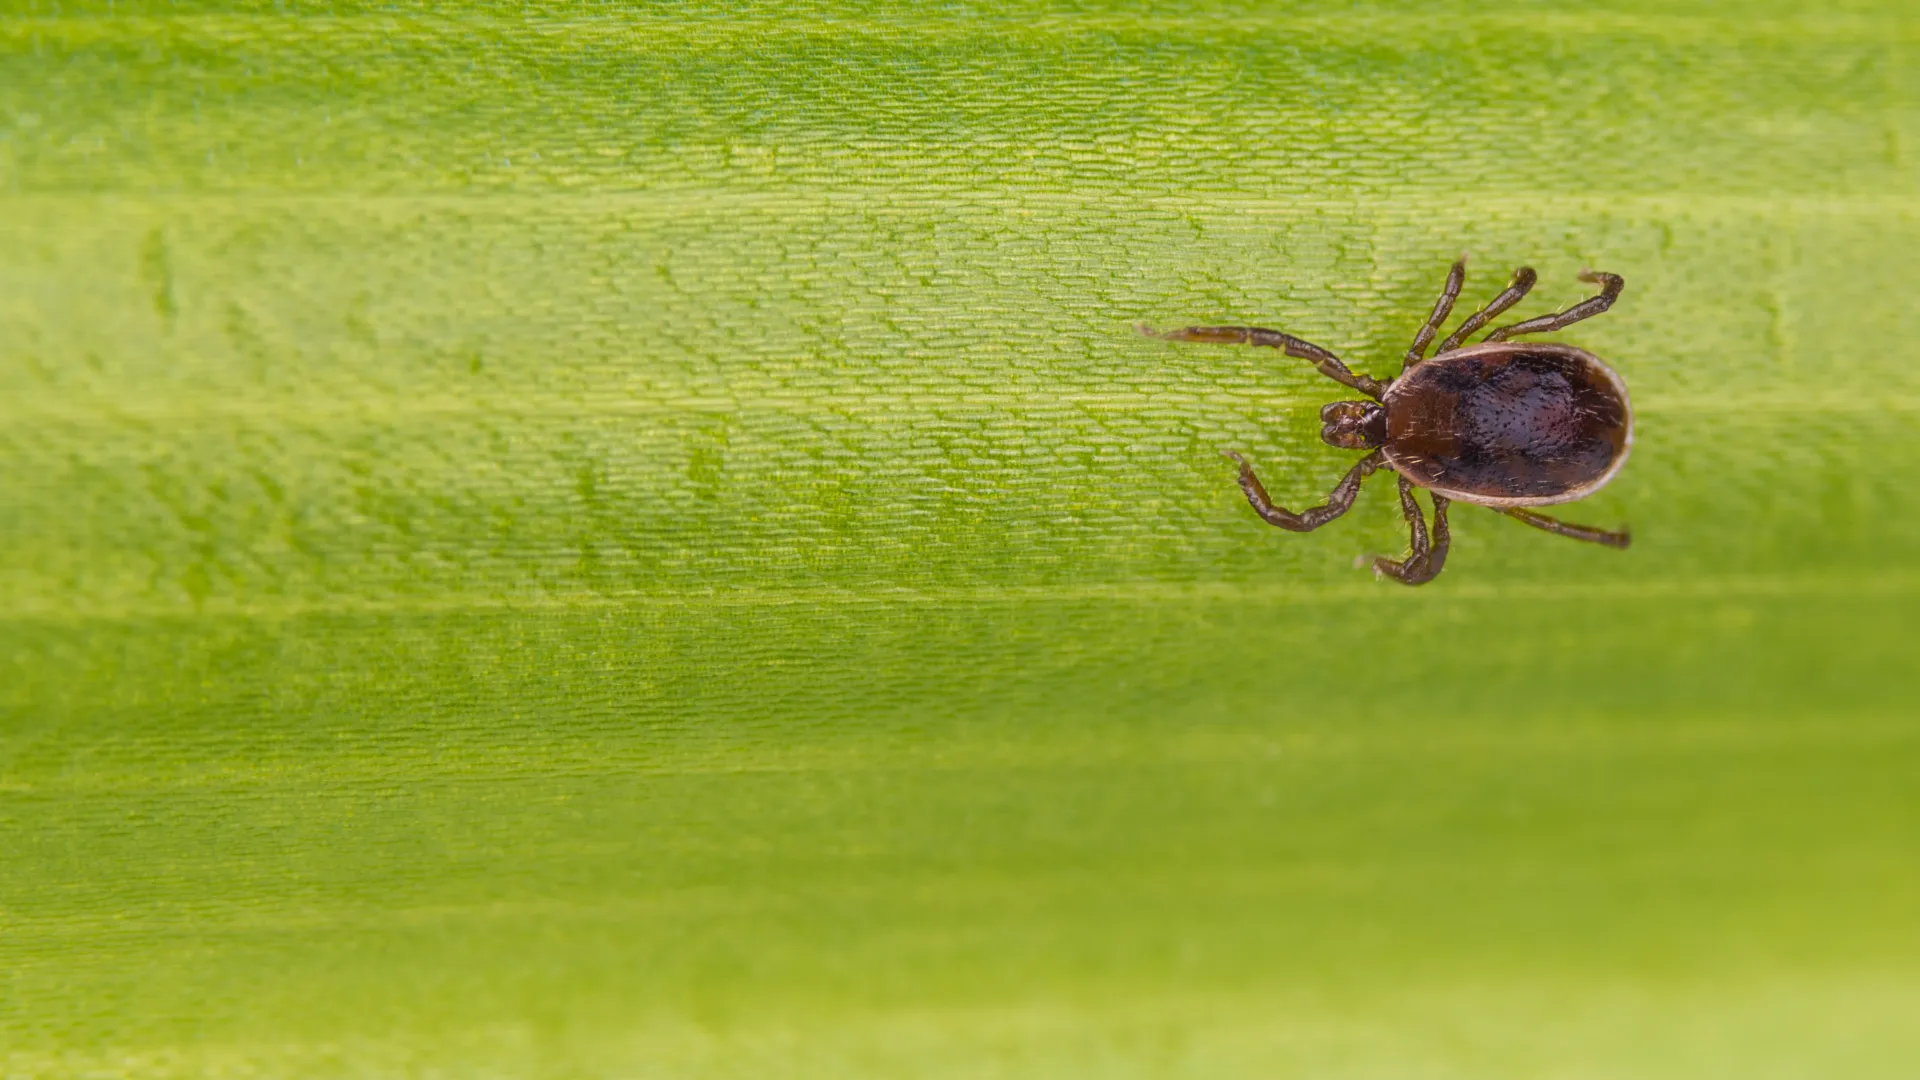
column 1426, row 560
column 1327, row 363
column 1610, row 286
column 1442, row 308
column 1516, row 289
column 1307, row 520
column 1576, row 532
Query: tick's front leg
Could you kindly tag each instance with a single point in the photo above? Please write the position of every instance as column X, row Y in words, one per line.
column 1426, row 560
column 1339, row 502
column 1323, row 361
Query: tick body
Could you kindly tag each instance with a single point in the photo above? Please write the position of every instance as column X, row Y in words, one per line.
column 1502, row 424
column 1505, row 424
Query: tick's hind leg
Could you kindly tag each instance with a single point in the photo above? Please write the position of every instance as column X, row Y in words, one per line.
column 1426, row 560
column 1306, row 520
column 1442, row 308
column 1610, row 286
column 1515, row 291
column 1576, row 532
column 1325, row 362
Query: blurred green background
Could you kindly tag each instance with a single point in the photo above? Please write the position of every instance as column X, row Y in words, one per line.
column 599, row 541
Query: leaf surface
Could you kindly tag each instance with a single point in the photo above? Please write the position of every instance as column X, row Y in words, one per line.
column 562, row 541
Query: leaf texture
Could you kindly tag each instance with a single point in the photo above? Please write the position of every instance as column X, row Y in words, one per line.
column 556, row 540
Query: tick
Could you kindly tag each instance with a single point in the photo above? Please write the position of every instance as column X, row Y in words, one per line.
column 1501, row 424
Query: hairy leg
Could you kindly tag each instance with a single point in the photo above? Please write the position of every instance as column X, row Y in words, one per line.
column 1610, row 286
column 1327, row 363
column 1576, row 532
column 1516, row 289
column 1442, row 308
column 1339, row 502
column 1426, row 560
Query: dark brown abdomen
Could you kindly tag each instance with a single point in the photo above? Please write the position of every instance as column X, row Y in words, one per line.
column 1509, row 424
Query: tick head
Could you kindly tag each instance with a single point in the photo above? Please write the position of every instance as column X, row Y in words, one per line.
column 1354, row 425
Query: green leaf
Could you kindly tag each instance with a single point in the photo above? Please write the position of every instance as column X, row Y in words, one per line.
column 584, row 541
